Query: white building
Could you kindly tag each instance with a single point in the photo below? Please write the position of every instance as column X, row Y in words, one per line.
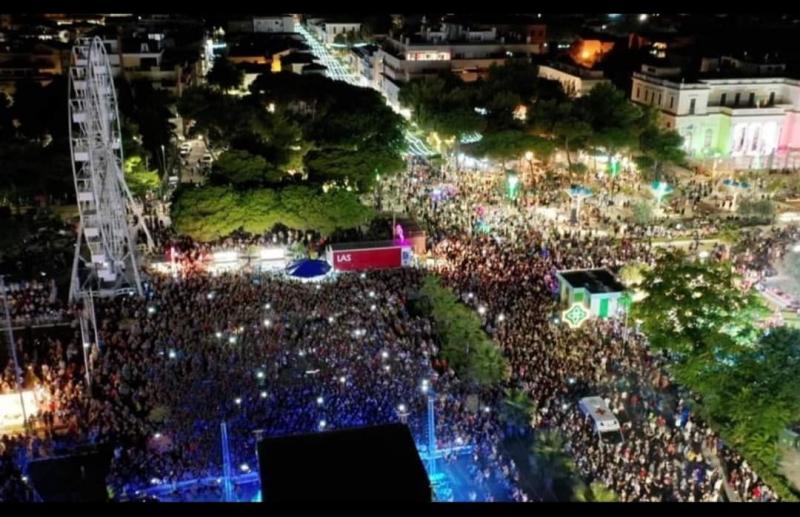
column 282, row 23
column 143, row 58
column 466, row 53
column 278, row 23
column 735, row 123
column 575, row 80
column 326, row 31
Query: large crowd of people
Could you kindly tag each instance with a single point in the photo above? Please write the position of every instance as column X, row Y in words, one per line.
column 663, row 457
column 34, row 302
column 271, row 356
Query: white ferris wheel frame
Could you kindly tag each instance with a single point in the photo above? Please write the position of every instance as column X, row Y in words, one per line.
column 105, row 203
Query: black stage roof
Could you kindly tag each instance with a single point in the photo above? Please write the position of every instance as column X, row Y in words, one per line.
column 76, row 478
column 593, row 280
column 379, row 463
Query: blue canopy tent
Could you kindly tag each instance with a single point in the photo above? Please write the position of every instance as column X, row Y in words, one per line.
column 307, row 269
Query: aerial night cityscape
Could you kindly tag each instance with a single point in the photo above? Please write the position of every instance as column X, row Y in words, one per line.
column 421, row 257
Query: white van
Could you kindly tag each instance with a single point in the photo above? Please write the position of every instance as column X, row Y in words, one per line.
column 603, row 420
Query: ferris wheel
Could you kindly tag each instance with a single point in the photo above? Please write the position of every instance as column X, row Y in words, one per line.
column 105, row 254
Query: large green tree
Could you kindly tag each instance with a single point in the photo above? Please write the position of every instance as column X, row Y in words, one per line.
column 661, row 146
column 616, row 122
column 444, row 105
column 696, row 311
column 225, row 75
column 565, row 123
column 140, row 181
column 243, row 169
column 356, row 168
column 508, row 145
column 211, row 212
column 757, row 396
column 464, row 344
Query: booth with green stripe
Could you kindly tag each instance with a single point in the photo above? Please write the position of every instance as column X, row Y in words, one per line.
column 597, row 289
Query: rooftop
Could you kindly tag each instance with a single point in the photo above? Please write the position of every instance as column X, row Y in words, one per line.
column 379, row 463
column 362, row 245
column 593, row 280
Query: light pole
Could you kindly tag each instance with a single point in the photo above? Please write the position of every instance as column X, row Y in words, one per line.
column 660, row 189
column 12, row 347
column 226, row 463
column 431, row 417
column 577, row 193
column 529, row 158
column 402, row 413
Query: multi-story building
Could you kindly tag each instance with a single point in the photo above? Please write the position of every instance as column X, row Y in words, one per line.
column 33, row 60
column 362, row 62
column 732, row 122
column 147, row 58
column 575, row 80
column 279, row 23
column 467, row 51
column 327, row 31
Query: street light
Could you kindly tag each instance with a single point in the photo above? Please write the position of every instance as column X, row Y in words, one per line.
column 402, row 412
column 513, row 185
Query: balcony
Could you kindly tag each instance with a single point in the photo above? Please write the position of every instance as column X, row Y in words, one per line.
column 742, row 111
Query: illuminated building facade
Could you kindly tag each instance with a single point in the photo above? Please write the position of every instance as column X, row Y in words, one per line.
column 466, row 50
column 730, row 123
column 575, row 80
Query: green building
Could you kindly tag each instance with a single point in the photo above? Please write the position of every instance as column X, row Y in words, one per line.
column 597, row 289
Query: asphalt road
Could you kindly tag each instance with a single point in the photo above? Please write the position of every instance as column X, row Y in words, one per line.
column 191, row 172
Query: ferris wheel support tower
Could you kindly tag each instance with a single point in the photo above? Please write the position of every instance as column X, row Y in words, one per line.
column 105, row 262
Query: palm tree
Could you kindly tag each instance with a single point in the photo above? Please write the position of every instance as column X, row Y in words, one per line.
column 596, row 492
column 552, row 465
column 516, row 409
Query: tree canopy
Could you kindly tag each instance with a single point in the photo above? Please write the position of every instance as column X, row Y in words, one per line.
column 225, row 75
column 243, row 169
column 464, row 344
column 509, row 145
column 696, row 308
column 140, row 181
column 212, row 212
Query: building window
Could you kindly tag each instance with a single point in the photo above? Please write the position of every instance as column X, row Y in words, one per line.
column 671, row 102
column 709, row 136
column 736, row 99
column 722, row 99
column 752, row 100
column 755, row 144
column 771, row 99
column 638, row 92
column 659, row 99
column 691, row 106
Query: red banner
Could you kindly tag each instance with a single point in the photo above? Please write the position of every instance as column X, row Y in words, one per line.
column 377, row 258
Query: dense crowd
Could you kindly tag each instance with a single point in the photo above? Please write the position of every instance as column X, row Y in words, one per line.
column 34, row 302
column 259, row 353
column 263, row 353
column 666, row 454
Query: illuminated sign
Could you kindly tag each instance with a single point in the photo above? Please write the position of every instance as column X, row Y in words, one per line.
column 575, row 315
column 428, row 55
